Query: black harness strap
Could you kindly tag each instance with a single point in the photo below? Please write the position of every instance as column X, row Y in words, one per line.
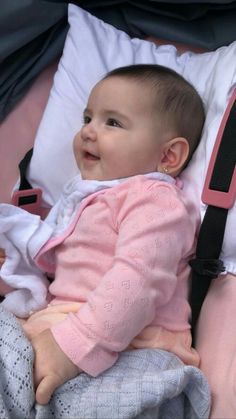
column 27, row 197
column 24, row 184
column 207, row 265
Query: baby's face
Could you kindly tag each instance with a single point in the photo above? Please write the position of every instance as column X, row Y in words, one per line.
column 119, row 137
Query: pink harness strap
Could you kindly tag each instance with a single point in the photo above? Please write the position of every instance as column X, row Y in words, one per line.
column 212, row 196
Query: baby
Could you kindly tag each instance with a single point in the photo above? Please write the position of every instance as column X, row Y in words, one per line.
column 121, row 266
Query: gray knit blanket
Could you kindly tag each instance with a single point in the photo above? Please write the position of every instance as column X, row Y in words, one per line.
column 144, row 384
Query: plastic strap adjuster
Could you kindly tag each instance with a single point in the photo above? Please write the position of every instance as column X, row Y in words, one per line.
column 28, row 199
column 211, row 268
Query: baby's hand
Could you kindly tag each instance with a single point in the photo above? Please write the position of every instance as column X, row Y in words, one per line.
column 2, row 257
column 52, row 367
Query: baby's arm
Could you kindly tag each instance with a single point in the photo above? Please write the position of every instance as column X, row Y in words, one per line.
column 52, row 367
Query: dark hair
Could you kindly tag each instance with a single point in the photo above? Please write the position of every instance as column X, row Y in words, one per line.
column 177, row 101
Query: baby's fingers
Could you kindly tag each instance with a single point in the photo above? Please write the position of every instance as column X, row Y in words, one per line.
column 46, row 388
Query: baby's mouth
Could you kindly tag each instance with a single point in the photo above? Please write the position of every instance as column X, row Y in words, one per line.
column 90, row 156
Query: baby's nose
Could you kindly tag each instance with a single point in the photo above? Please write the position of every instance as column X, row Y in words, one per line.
column 88, row 132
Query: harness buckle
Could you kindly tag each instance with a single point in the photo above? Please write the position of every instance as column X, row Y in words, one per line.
column 211, row 268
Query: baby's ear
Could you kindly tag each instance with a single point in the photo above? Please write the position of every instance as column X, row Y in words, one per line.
column 174, row 155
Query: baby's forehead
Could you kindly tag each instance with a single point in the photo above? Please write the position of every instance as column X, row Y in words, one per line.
column 110, row 81
column 123, row 99
column 125, row 86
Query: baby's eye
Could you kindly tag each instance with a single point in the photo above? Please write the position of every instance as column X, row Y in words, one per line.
column 114, row 123
column 86, row 119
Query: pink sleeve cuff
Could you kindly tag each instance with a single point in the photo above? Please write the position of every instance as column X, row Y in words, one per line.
column 82, row 349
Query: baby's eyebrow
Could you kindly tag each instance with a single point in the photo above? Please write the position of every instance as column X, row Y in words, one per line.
column 86, row 110
column 118, row 114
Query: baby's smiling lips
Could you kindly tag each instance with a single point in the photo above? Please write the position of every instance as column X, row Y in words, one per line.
column 90, row 156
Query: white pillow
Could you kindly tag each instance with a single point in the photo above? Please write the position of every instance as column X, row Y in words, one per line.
column 93, row 48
